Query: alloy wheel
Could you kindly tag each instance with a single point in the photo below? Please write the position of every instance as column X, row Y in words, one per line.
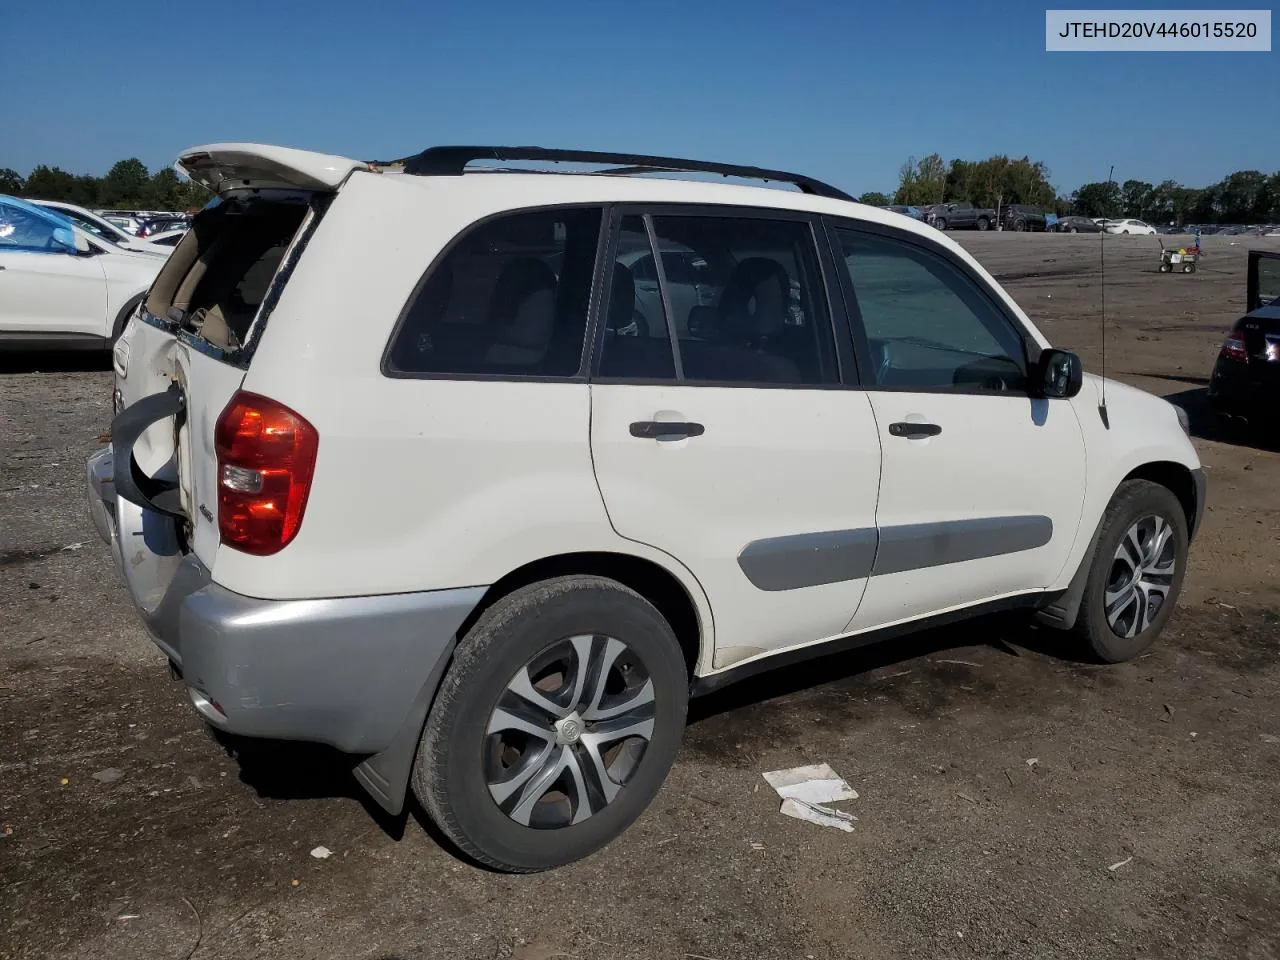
column 568, row 732
column 1142, row 573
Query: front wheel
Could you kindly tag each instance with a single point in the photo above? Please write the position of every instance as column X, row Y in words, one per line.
column 1019, row 225
column 555, row 725
column 1136, row 572
column 940, row 224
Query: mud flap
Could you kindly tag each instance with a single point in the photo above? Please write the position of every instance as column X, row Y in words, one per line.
column 1062, row 612
column 385, row 775
column 151, row 493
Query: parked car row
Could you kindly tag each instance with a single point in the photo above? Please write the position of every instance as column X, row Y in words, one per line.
column 1019, row 218
column 66, row 279
column 145, row 223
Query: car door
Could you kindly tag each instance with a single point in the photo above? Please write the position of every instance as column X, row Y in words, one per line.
column 46, row 287
column 730, row 443
column 981, row 483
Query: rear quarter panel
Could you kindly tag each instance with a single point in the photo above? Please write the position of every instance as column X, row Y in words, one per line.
column 420, row 484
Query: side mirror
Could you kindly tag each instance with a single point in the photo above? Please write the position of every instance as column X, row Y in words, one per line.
column 1060, row 373
column 70, row 240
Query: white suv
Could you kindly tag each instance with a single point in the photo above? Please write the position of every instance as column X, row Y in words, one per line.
column 397, row 470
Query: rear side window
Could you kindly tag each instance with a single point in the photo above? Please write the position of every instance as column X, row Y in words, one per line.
column 509, row 299
column 739, row 300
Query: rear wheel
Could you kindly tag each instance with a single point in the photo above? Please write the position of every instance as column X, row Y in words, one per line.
column 940, row 224
column 984, row 223
column 1019, row 225
column 1136, row 572
column 555, row 725
column 1072, row 230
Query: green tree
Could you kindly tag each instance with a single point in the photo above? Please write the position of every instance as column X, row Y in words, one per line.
column 1098, row 200
column 1245, row 197
column 11, row 181
column 50, row 183
column 126, row 184
column 922, row 182
column 875, row 198
column 1137, row 197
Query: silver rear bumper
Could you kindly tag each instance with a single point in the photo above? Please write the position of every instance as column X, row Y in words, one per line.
column 343, row 671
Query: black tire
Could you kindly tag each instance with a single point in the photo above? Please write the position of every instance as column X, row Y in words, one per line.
column 940, row 224
column 122, row 318
column 1134, row 501
column 532, row 623
column 1165, row 268
column 1019, row 225
column 1072, row 230
column 984, row 223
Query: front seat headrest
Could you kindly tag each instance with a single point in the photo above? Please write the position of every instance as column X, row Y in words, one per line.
column 754, row 302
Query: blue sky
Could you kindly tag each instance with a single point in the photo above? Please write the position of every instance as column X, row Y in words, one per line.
column 844, row 91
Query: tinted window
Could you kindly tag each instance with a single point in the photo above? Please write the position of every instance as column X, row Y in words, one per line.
column 510, row 297
column 25, row 229
column 637, row 341
column 928, row 325
column 745, row 296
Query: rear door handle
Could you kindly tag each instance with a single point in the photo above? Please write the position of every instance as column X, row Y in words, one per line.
column 914, row 431
column 665, row 429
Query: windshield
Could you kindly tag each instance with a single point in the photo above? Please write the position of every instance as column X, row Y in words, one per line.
column 94, row 227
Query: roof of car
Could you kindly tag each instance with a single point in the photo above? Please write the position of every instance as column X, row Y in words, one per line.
column 508, row 189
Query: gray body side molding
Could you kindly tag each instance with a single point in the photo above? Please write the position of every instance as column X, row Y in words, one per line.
column 834, row 556
column 809, row 559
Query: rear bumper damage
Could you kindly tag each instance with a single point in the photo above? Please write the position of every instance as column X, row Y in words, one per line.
column 357, row 673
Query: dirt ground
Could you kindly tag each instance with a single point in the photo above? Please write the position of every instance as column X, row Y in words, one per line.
column 1014, row 801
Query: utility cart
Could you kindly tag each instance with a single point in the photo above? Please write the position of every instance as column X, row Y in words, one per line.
column 1180, row 260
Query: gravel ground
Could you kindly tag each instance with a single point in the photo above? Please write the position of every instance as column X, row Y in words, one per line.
column 1014, row 801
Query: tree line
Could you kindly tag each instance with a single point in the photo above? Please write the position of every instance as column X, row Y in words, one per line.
column 1243, row 197
column 128, row 185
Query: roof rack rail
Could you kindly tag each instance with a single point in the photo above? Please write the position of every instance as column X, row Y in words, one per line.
column 452, row 161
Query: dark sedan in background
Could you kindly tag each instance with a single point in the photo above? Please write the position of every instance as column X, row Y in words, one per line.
column 1076, row 225
column 1245, row 383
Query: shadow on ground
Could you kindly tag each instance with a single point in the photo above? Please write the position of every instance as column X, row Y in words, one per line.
column 1206, row 425
column 296, row 771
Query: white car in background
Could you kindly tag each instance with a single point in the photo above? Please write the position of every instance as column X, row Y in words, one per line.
column 104, row 229
column 130, row 225
column 168, row 240
column 61, row 286
column 1129, row 226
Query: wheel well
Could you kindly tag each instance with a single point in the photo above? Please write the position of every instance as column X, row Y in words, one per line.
column 1176, row 478
column 125, row 312
column 646, row 578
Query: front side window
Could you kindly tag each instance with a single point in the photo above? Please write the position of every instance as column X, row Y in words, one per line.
column 738, row 300
column 928, row 325
column 509, row 299
column 28, row 230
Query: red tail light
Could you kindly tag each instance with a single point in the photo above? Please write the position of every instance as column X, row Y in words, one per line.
column 1233, row 347
column 266, row 458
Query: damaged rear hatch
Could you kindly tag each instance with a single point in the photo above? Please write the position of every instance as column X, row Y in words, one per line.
column 185, row 355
